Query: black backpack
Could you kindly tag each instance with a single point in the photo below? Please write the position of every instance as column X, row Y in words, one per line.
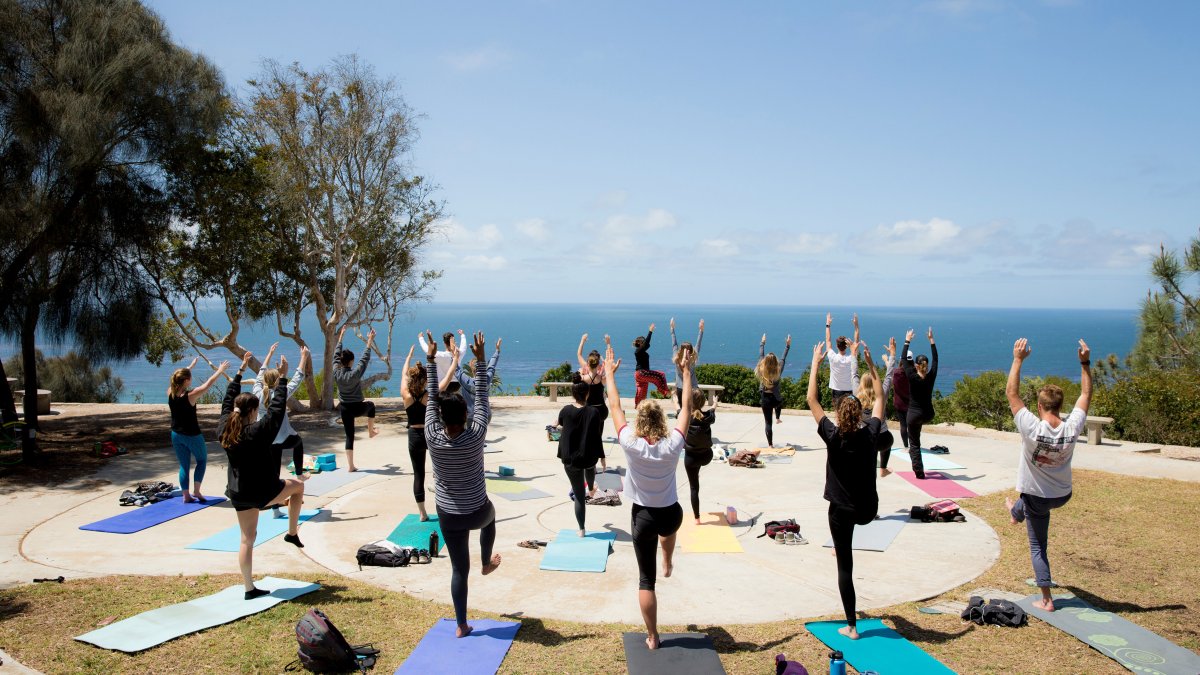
column 378, row 556
column 995, row 612
column 322, row 649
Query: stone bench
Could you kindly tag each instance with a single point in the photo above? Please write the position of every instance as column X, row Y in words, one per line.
column 710, row 391
column 43, row 399
column 554, row 387
column 1095, row 428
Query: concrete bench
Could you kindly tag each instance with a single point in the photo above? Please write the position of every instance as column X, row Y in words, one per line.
column 554, row 388
column 1095, row 428
column 43, row 399
column 710, row 391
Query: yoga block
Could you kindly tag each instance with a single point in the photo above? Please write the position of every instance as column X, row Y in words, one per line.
column 326, row 458
column 507, row 471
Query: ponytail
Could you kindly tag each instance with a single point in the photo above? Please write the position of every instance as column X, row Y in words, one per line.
column 175, row 388
column 698, row 401
column 239, row 418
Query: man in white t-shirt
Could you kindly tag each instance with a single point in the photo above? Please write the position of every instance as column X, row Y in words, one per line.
column 1047, row 446
column 843, row 364
column 445, row 357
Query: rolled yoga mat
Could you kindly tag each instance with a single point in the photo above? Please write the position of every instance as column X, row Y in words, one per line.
column 156, row 626
column 712, row 535
column 328, row 481
column 937, row 485
column 928, row 459
column 138, row 519
column 269, row 527
column 570, row 552
column 1123, row 641
column 681, row 653
column 414, row 533
column 877, row 648
column 876, row 535
column 480, row 653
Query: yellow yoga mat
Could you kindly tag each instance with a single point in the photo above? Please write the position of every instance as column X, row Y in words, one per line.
column 712, row 535
column 506, row 486
column 782, row 452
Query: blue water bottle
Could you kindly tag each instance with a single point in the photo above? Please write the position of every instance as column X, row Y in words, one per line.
column 837, row 664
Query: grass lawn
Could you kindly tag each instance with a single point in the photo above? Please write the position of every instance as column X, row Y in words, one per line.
column 1128, row 545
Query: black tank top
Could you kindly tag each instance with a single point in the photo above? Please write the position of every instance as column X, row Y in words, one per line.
column 416, row 413
column 183, row 416
column 596, row 394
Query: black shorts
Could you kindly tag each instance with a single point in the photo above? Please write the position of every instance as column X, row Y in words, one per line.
column 242, row 502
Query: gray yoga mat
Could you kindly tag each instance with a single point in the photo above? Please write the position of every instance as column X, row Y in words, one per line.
column 1125, row 642
column 876, row 535
column 678, row 653
column 328, row 481
column 609, row 480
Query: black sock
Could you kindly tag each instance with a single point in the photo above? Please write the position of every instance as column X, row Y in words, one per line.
column 293, row 539
column 256, row 593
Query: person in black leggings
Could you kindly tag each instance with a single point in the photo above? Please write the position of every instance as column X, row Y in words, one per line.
column 769, row 372
column 921, row 375
column 697, row 446
column 591, row 373
column 416, row 399
column 851, row 449
column 579, row 447
column 349, row 382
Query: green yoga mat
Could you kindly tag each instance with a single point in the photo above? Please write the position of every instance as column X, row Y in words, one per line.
column 155, row 627
column 412, row 532
column 1123, row 641
column 877, row 648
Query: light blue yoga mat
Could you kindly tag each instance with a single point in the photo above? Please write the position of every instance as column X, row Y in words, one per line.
column 876, row 535
column 877, row 648
column 412, row 532
column 328, row 481
column 167, row 623
column 269, row 527
column 570, row 552
column 1121, row 640
column 931, row 461
column 609, row 480
column 138, row 519
column 480, row 653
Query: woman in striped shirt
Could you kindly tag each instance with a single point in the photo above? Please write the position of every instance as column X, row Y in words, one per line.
column 456, row 451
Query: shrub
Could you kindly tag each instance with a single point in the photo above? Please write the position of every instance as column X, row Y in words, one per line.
column 1159, row 406
column 373, row 391
column 980, row 400
column 559, row 373
column 741, row 387
column 71, row 378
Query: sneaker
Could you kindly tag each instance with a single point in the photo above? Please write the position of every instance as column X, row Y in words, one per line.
column 781, row 538
column 798, row 539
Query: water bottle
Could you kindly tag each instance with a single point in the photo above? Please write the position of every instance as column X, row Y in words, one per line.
column 433, row 546
column 837, row 664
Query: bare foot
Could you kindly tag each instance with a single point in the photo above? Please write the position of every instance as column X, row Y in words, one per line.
column 491, row 567
column 352, row 469
column 849, row 631
column 652, row 642
column 667, row 569
column 884, row 473
column 1044, row 605
column 1008, row 501
column 187, row 499
column 372, row 433
column 464, row 629
column 778, row 421
column 582, row 533
column 424, row 518
column 197, row 496
column 697, row 521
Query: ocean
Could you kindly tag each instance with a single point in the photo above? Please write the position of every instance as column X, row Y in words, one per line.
column 540, row 336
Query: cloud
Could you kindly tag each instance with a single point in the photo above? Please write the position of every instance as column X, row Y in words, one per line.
column 482, row 58
column 914, row 236
column 491, row 263
column 460, row 236
column 534, row 228
column 718, row 248
column 626, row 224
column 1094, row 247
column 807, row 243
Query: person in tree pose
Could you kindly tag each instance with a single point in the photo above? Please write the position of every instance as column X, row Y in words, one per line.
column 1047, row 447
column 579, row 447
column 843, row 364
column 698, row 446
column 866, row 395
column 921, row 376
column 591, row 373
column 186, row 437
column 349, row 382
column 643, row 377
column 676, row 358
column 769, row 372
column 412, row 392
column 268, row 378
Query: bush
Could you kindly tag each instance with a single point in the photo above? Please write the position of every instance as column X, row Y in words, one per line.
column 559, row 373
column 1160, row 406
column 71, row 378
column 741, row 387
column 374, row 391
column 980, row 400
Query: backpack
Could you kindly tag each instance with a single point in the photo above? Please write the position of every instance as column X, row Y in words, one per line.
column 995, row 612
column 378, row 556
column 322, row 649
column 774, row 527
column 942, row 511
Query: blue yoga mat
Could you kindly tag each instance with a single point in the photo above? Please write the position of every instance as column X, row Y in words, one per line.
column 570, row 552
column 412, row 532
column 167, row 623
column 878, row 648
column 328, row 481
column 480, row 653
column 269, row 527
column 139, row 519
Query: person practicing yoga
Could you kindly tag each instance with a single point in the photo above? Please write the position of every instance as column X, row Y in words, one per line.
column 464, row 378
column 268, row 378
column 643, row 377
column 591, row 372
column 349, row 383
column 698, row 446
column 866, row 396
column 769, row 372
column 460, row 493
column 921, row 376
column 652, row 456
column 412, row 392
column 675, row 358
column 186, row 437
column 253, row 482
column 579, row 447
column 843, row 364
column 446, row 357
column 850, row 445
column 1047, row 447
column 900, row 394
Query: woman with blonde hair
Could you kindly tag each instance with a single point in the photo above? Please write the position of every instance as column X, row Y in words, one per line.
column 591, row 373
column 652, row 455
column 186, row 437
column 268, row 379
column 866, row 395
column 769, row 372
column 677, row 350
column 416, row 402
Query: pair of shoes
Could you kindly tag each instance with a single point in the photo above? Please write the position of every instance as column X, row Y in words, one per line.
column 420, row 557
column 781, row 538
column 795, row 538
column 531, row 543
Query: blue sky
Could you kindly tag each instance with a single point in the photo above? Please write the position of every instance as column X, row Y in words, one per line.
column 930, row 153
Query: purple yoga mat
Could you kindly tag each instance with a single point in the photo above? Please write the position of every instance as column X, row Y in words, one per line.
column 480, row 653
column 137, row 519
column 937, row 485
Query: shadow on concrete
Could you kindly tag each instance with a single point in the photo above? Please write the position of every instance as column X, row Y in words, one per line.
column 505, row 520
column 622, row 535
column 386, row 470
column 515, row 479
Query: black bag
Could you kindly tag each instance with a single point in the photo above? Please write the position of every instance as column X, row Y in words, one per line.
column 995, row 612
column 322, row 649
column 378, row 556
column 921, row 513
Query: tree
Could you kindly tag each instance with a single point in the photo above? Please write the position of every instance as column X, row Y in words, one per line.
column 73, row 378
column 94, row 97
column 344, row 220
column 1168, row 338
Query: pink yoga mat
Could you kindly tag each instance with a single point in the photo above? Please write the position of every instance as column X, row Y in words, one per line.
column 937, row 485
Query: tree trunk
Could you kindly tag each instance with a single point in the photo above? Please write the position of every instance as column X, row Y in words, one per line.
column 29, row 446
column 8, row 407
column 330, row 333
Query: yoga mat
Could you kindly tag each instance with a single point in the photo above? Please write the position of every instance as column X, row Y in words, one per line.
column 499, row 486
column 138, row 519
column 167, row 623
column 877, row 648
column 930, row 460
column 530, row 493
column 412, row 532
column 269, row 527
column 328, row 481
column 609, row 480
column 937, row 485
column 712, row 535
column 690, row 653
column 480, row 653
column 780, row 452
column 1121, row 640
column 876, row 535
column 775, row 459
column 570, row 552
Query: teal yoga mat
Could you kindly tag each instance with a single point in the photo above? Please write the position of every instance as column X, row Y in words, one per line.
column 155, row 627
column 269, row 527
column 570, row 552
column 412, row 532
column 328, row 481
column 878, row 648
column 931, row 461
column 1121, row 640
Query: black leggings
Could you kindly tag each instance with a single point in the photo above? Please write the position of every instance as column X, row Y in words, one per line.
column 648, row 525
column 455, row 529
column 417, row 451
column 578, row 477
column 352, row 410
column 770, row 404
column 297, row 445
column 841, row 525
column 917, row 418
column 692, row 461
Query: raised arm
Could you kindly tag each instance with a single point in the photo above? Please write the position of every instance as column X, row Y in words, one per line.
column 462, row 348
column 298, row 377
column 433, row 416
column 610, row 387
column 933, row 356
column 578, row 352
column 1085, row 377
column 195, row 394
column 235, row 386
column 686, row 363
column 674, row 342
column 828, row 323
column 699, row 339
column 877, row 409
column 814, row 403
column 762, row 347
column 366, row 357
column 1012, row 389
column 452, row 371
column 491, row 367
column 910, row 371
column 481, row 413
column 787, row 347
column 404, row 393
column 856, row 333
column 277, row 409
